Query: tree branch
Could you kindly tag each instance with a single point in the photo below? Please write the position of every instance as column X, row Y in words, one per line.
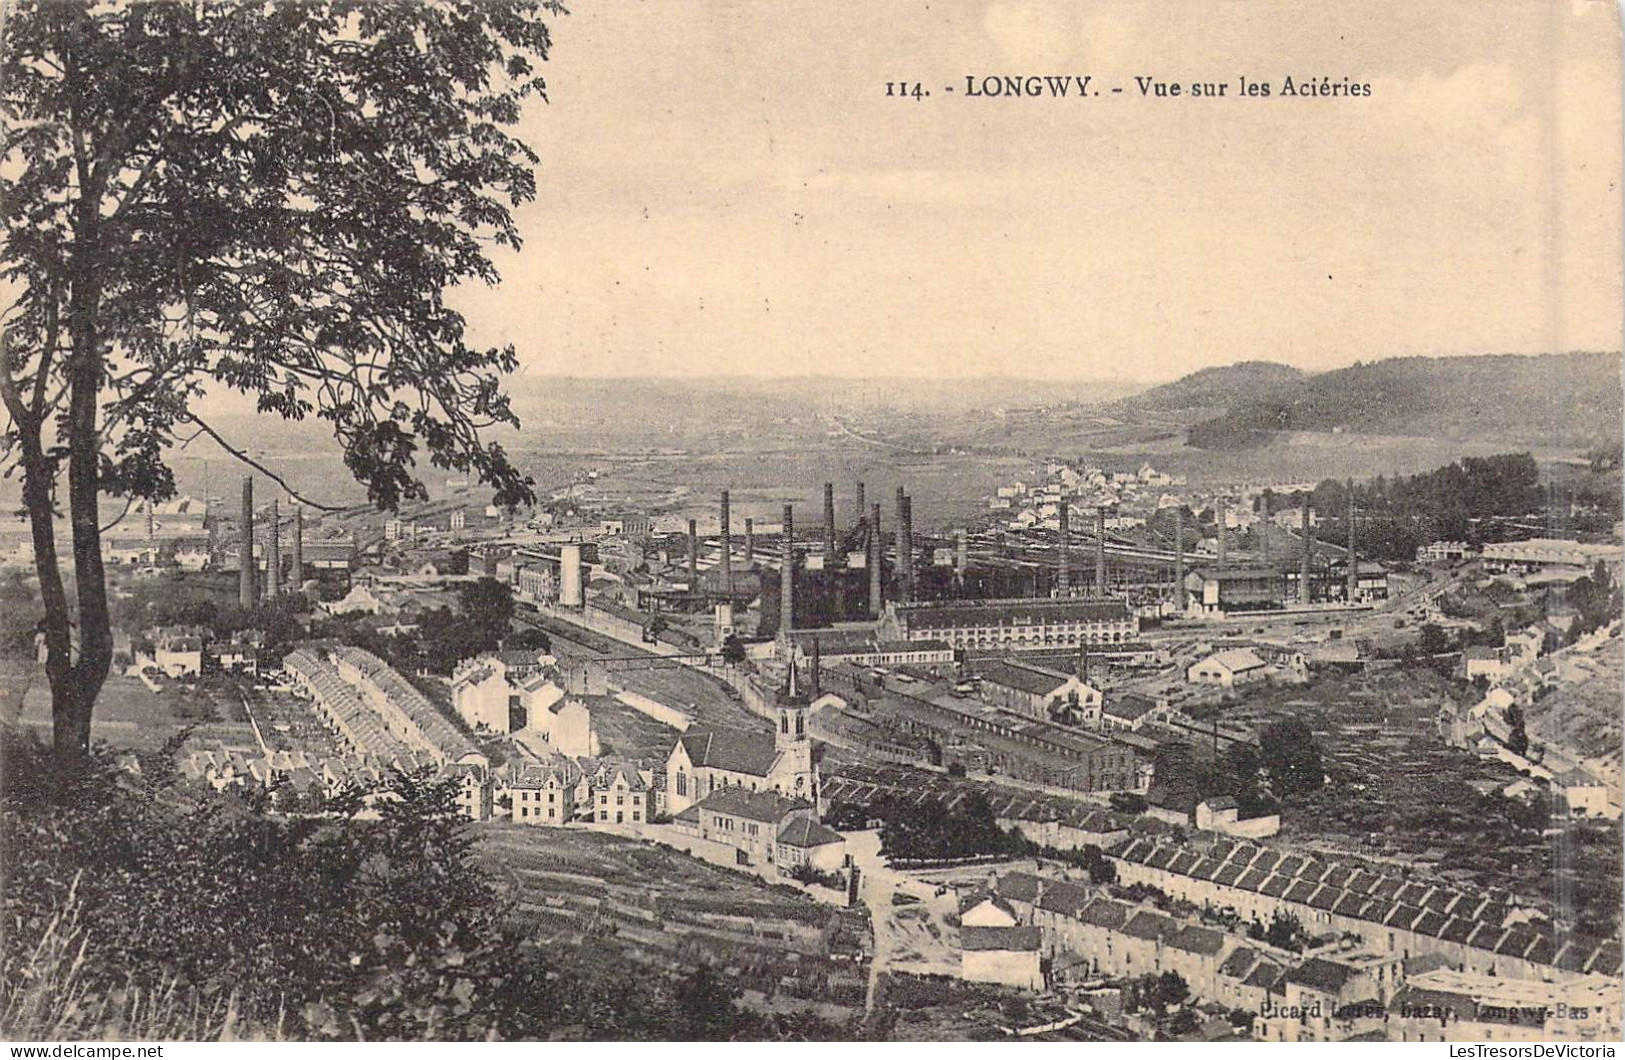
column 261, row 468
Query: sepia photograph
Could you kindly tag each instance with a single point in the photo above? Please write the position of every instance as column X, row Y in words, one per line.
column 1072, row 521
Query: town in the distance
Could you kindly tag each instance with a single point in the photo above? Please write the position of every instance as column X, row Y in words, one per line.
column 1098, row 744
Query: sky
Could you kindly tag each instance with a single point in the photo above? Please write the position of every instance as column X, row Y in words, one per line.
column 726, row 190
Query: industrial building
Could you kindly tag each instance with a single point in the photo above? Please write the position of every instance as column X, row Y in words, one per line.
column 1012, row 625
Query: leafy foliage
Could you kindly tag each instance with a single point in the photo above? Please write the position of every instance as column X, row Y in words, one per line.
column 268, row 199
column 1289, row 752
column 934, row 832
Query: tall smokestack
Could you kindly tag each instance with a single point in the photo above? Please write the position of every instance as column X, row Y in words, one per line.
column 245, row 564
column 1264, row 531
column 693, row 556
column 863, row 505
column 961, row 554
column 1354, row 565
column 1305, row 597
column 787, row 573
column 1100, row 551
column 1224, row 536
column 1064, row 565
column 727, row 551
column 829, row 526
column 298, row 571
column 750, row 542
column 877, row 551
column 816, row 685
column 273, row 555
column 1179, row 557
column 907, row 546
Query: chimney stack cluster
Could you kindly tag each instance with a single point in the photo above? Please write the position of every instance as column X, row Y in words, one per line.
column 877, row 551
column 1063, row 574
column 298, row 566
column 787, row 573
column 727, row 551
column 1304, row 572
column 1100, row 551
column 1179, row 557
column 245, row 564
column 829, row 526
column 273, row 555
column 693, row 556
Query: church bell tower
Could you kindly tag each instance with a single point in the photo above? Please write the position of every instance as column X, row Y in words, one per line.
column 794, row 772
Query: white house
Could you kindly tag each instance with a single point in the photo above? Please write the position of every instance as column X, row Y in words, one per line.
column 1227, row 669
column 1005, row 955
column 1221, row 814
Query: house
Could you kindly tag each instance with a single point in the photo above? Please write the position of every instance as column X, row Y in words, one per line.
column 1128, row 711
column 474, row 789
column 804, row 841
column 484, row 697
column 1492, row 664
column 1222, row 814
column 1228, row 669
column 1445, row 552
column 1583, row 794
column 1196, row 953
column 1005, row 955
column 178, row 650
column 749, row 821
column 545, row 793
column 982, row 909
column 1448, row 1005
column 240, row 653
column 620, row 795
column 1035, row 691
column 1319, row 992
column 705, row 761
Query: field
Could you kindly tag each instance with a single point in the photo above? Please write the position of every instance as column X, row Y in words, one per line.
column 659, row 911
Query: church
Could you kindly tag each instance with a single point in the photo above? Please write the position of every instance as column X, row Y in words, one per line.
column 705, row 760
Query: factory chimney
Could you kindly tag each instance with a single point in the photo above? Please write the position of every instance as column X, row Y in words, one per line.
column 829, row 527
column 1083, row 662
column 727, row 551
column 816, row 685
column 1100, row 551
column 1063, row 572
column 902, row 547
column 1264, row 531
column 877, row 551
column 1179, row 557
column 787, row 573
column 750, row 542
column 1305, row 596
column 908, row 547
column 1224, row 537
column 693, row 556
column 863, row 505
column 961, row 554
column 273, row 555
column 298, row 572
column 245, row 562
column 1354, row 564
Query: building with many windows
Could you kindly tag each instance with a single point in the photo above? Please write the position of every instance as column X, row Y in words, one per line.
column 1012, row 625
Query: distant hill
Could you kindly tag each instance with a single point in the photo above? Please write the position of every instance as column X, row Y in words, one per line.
column 1224, row 387
column 1571, row 399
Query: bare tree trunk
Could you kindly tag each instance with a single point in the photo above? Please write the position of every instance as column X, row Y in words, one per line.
column 73, row 697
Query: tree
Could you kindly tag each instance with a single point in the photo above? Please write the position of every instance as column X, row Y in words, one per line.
column 705, row 1006
column 733, row 650
column 1289, row 752
column 268, row 199
column 528, row 638
column 1433, row 640
column 1517, row 735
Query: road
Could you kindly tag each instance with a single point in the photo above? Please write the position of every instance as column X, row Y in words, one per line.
column 914, row 937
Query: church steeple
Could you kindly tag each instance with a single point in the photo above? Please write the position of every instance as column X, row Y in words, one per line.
column 794, row 773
